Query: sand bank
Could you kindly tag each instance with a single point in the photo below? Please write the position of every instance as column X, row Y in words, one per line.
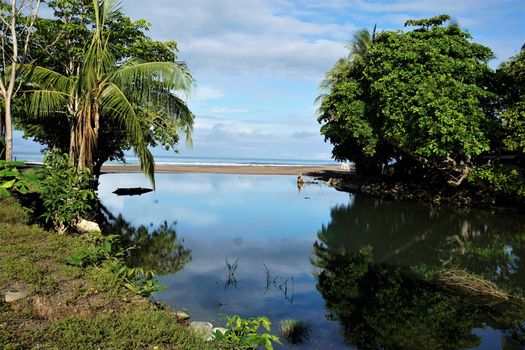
column 227, row 169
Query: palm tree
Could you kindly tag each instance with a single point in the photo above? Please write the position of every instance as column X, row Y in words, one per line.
column 362, row 41
column 127, row 94
column 359, row 46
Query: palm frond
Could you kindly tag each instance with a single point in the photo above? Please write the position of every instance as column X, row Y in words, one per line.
column 114, row 102
column 47, row 79
column 44, row 102
column 141, row 75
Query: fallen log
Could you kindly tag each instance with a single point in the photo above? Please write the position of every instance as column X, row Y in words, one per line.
column 131, row 191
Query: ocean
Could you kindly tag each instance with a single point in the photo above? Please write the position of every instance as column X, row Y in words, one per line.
column 33, row 157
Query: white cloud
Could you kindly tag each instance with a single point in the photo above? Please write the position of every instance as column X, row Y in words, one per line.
column 219, row 110
column 205, row 93
column 240, row 36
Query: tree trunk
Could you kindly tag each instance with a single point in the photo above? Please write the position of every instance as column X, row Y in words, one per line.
column 72, row 141
column 2, row 137
column 81, row 142
column 8, row 131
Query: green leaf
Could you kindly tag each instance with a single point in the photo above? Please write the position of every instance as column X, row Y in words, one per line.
column 4, row 192
column 7, row 184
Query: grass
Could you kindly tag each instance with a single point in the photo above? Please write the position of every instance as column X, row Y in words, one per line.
column 295, row 331
column 72, row 307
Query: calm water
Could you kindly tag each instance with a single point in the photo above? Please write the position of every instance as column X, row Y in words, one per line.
column 349, row 265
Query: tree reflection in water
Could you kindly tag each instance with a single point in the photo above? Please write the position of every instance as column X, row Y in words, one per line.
column 373, row 271
column 156, row 249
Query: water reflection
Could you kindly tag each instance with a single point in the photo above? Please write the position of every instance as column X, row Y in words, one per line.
column 150, row 248
column 268, row 228
column 373, row 269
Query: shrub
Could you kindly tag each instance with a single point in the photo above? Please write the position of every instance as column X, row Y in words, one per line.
column 14, row 181
column 244, row 334
column 66, row 194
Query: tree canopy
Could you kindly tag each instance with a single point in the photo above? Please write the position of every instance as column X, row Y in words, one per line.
column 126, row 45
column 427, row 101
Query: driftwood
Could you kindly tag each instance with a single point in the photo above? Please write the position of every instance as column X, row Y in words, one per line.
column 132, row 191
column 475, row 289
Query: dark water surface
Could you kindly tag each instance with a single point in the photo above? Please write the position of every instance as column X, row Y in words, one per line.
column 354, row 267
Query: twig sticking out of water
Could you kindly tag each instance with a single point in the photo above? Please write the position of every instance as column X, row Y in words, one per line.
column 283, row 286
column 231, row 268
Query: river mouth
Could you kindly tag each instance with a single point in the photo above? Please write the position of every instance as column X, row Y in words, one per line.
column 350, row 266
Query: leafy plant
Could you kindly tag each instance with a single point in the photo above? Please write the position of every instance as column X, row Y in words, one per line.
column 66, row 193
column 93, row 254
column 14, row 181
column 244, row 334
column 139, row 281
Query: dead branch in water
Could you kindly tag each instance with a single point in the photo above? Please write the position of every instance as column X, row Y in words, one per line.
column 476, row 289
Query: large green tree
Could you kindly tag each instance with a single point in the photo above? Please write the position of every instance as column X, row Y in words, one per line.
column 104, row 93
column 343, row 110
column 419, row 98
column 61, row 44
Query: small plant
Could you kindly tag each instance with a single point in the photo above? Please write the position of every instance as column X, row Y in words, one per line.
column 99, row 249
column 66, row 194
column 295, row 331
column 244, row 334
column 13, row 181
column 139, row 281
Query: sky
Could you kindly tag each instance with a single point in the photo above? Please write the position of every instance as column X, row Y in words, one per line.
column 258, row 63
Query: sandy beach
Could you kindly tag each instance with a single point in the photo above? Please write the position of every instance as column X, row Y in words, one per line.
column 227, row 169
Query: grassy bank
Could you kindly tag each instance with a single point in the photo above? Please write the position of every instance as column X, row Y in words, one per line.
column 70, row 307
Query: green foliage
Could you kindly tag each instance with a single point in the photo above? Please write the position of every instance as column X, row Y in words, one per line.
column 244, row 334
column 129, row 117
column 419, row 92
column 139, row 281
column 66, row 193
column 426, row 100
column 97, row 249
column 511, row 87
column 501, row 180
column 14, row 181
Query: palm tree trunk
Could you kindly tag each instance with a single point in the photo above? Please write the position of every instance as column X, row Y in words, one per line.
column 72, row 142
column 81, row 142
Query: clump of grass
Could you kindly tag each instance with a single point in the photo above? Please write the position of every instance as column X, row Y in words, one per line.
column 295, row 331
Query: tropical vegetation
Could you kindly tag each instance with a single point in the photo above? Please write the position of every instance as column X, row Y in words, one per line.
column 131, row 95
column 425, row 103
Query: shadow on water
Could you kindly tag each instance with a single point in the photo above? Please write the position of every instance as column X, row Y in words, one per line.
column 374, row 272
column 150, row 248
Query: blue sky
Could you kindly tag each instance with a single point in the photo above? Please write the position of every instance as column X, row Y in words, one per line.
column 258, row 63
